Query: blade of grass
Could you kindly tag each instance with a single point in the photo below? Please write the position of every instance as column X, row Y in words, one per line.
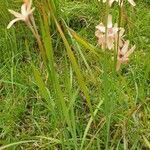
column 16, row 143
column 39, row 81
column 52, row 140
column 89, row 124
column 54, row 77
column 147, row 143
column 84, row 42
column 42, row 87
column 101, row 124
column 76, row 45
column 75, row 66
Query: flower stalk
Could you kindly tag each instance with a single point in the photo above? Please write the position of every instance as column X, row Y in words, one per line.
column 116, row 49
column 26, row 15
column 112, row 36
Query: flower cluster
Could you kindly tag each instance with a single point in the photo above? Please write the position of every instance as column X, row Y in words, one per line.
column 108, row 36
column 123, row 54
column 25, row 15
column 112, row 37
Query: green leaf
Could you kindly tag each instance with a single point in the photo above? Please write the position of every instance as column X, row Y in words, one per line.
column 83, row 42
column 42, row 87
column 75, row 66
column 146, row 141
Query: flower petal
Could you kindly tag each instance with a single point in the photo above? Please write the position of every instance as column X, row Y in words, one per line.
column 16, row 14
column 122, row 30
column 115, row 28
column 13, row 21
column 130, row 51
column 31, row 11
column 101, row 27
column 109, row 22
column 121, row 42
column 24, row 9
column 110, row 42
column 125, row 48
column 29, row 5
column 111, row 2
column 132, row 2
column 104, row 1
column 101, row 40
column 98, row 34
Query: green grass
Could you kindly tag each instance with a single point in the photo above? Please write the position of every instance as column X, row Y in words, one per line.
column 74, row 100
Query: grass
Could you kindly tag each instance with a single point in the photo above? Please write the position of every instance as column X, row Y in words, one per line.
column 73, row 100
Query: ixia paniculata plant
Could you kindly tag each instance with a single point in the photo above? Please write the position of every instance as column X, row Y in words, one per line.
column 107, row 37
column 25, row 14
column 112, row 37
column 123, row 54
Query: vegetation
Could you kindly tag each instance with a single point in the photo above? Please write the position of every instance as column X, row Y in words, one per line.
column 60, row 90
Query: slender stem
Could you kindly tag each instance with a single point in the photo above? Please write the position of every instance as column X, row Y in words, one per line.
column 106, row 22
column 106, row 35
column 116, row 50
column 31, row 24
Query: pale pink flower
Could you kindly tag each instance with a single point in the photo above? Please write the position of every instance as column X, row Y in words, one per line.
column 26, row 12
column 120, row 38
column 108, row 39
column 123, row 54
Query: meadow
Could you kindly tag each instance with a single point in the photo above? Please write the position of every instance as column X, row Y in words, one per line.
column 60, row 89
